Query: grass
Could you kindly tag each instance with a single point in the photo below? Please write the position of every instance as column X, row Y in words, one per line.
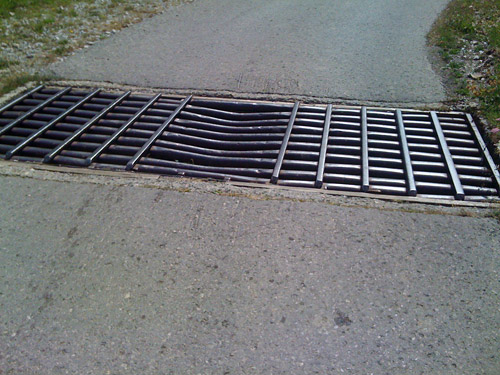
column 5, row 63
column 30, row 18
column 35, row 33
column 13, row 81
column 472, row 25
column 9, row 7
column 495, row 214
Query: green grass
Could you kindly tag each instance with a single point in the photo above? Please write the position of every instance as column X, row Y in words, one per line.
column 42, row 14
column 38, row 32
column 463, row 22
column 494, row 214
column 61, row 50
column 13, row 81
column 37, row 21
column 15, row 6
column 41, row 25
column 4, row 63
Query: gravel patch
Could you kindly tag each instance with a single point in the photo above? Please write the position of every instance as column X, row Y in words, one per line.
column 29, row 40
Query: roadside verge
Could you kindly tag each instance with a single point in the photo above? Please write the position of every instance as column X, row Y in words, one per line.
column 468, row 37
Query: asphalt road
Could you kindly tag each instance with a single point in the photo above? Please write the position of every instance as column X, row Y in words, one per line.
column 100, row 278
column 360, row 50
column 103, row 279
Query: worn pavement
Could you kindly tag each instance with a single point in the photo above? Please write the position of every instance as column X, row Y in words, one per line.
column 111, row 278
column 108, row 279
column 356, row 50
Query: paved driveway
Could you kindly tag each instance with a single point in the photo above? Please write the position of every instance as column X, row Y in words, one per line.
column 355, row 50
column 98, row 279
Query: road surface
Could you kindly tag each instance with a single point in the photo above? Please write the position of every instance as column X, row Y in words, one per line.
column 360, row 50
column 110, row 279
column 98, row 277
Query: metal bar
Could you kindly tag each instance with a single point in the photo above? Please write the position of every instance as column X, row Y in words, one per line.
column 193, row 173
column 284, row 144
column 365, row 184
column 405, row 151
column 44, row 128
column 48, row 158
column 145, row 148
column 20, row 99
column 9, row 126
column 392, row 151
column 120, row 131
column 484, row 149
column 457, row 185
column 324, row 145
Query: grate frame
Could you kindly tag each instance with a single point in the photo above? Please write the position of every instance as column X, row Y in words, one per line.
column 428, row 154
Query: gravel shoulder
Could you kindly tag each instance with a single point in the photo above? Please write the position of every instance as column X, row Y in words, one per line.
column 34, row 34
column 467, row 37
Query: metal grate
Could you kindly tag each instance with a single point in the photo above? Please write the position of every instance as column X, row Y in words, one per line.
column 403, row 152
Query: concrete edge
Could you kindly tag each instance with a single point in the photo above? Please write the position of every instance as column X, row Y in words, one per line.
column 4, row 99
column 144, row 178
column 391, row 198
column 279, row 98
